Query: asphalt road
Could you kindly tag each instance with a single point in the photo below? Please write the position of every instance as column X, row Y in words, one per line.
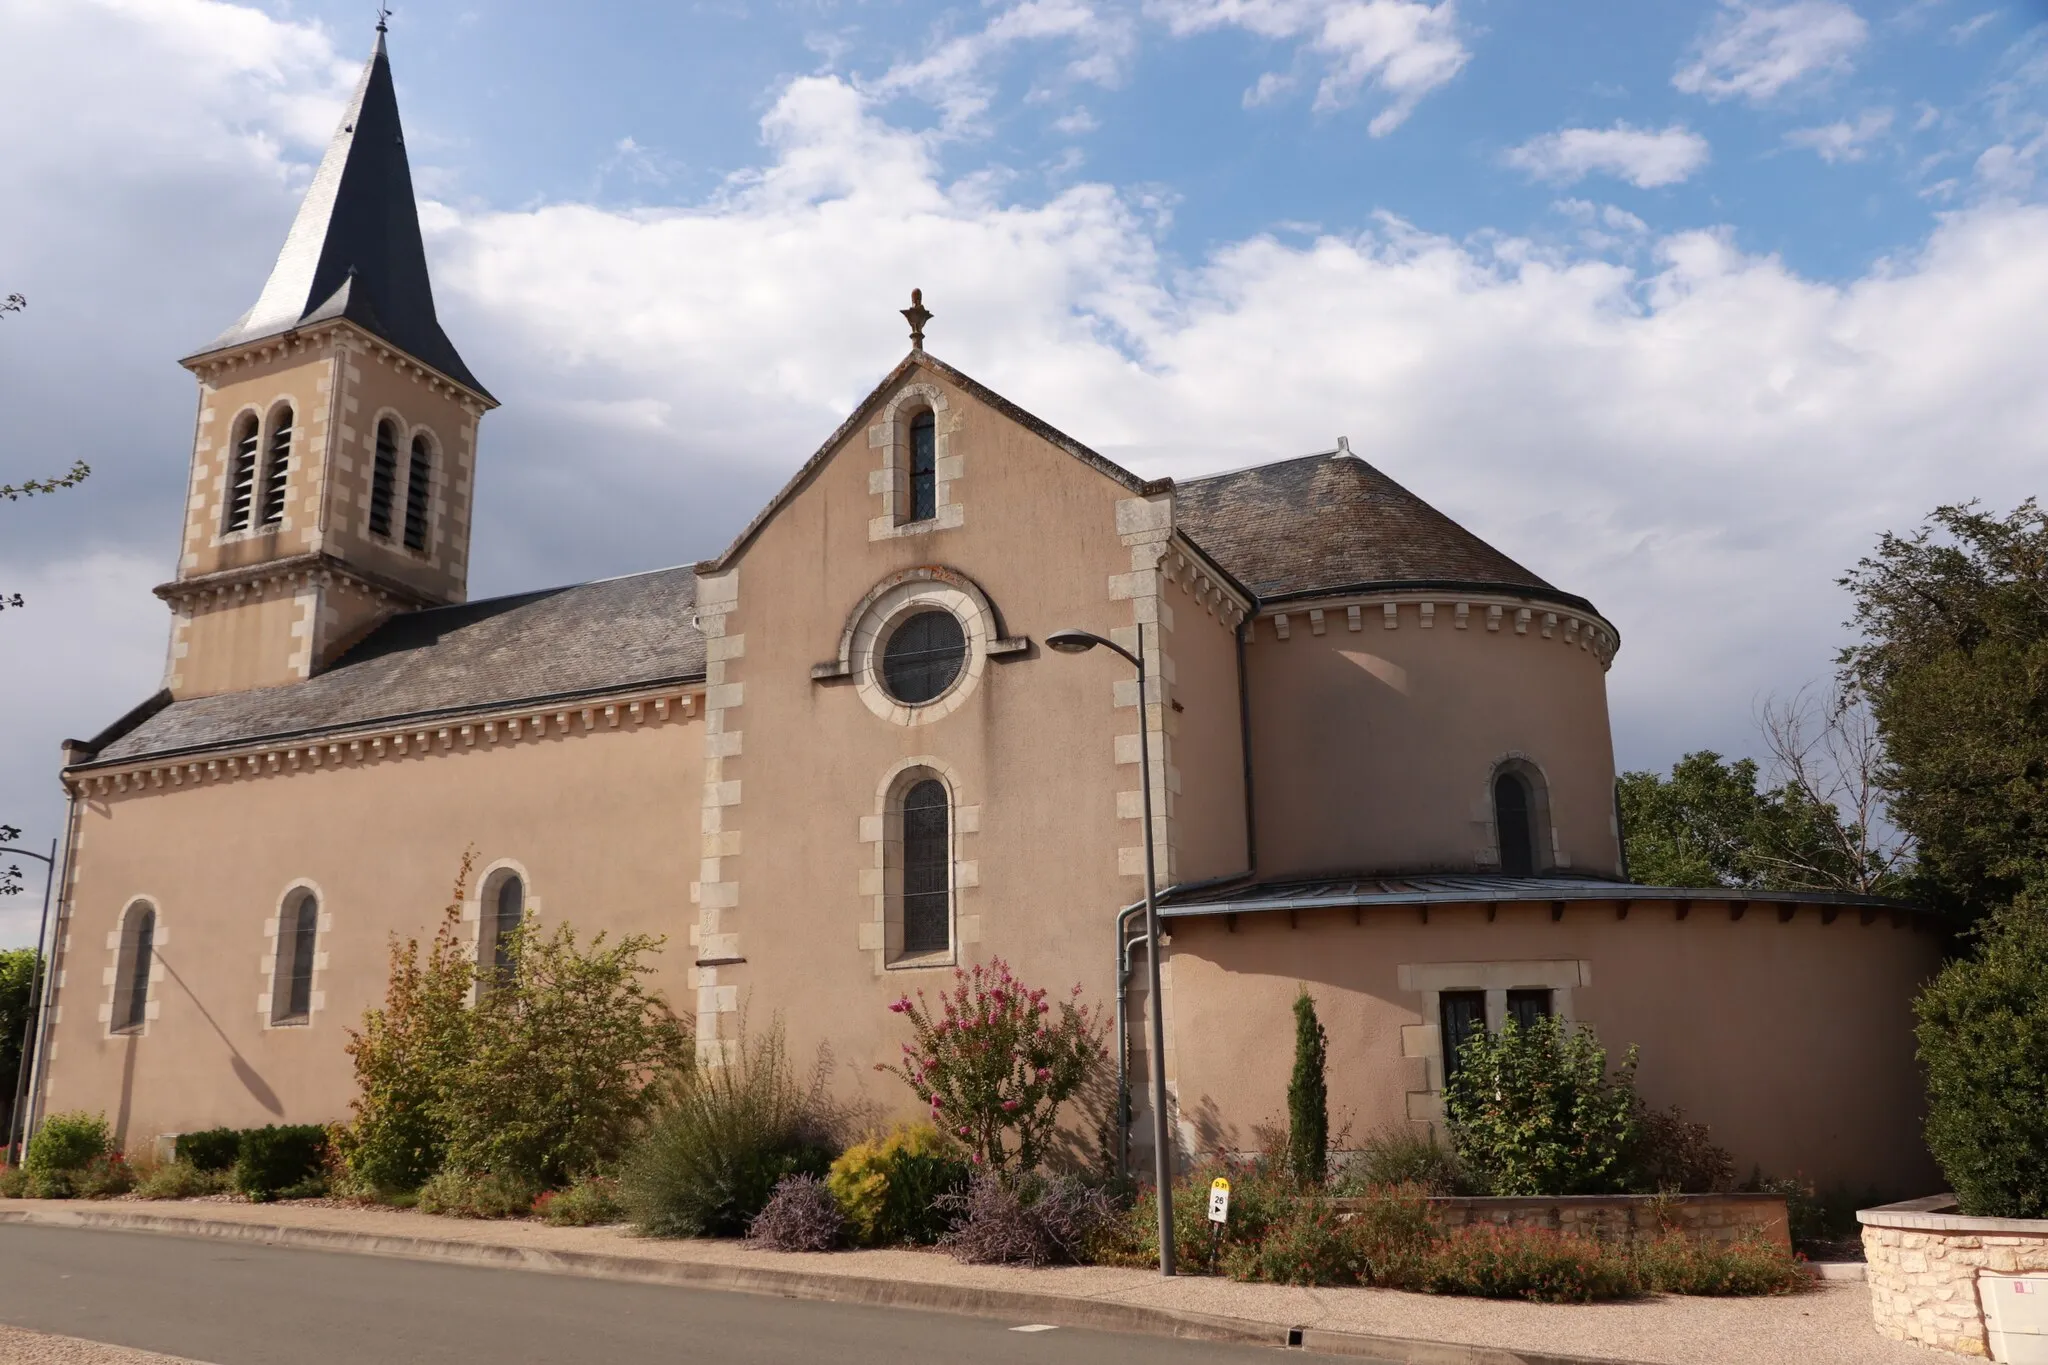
column 234, row 1304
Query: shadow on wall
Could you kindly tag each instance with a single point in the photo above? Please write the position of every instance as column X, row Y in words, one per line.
column 246, row 1074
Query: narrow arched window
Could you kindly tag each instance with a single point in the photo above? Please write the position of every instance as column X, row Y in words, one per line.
column 419, row 480
column 924, row 467
column 277, row 467
column 131, row 970
column 927, row 868
column 504, row 909
column 241, row 474
column 384, row 480
column 1514, row 825
column 298, row 934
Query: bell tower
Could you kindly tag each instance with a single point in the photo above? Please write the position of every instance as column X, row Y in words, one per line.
column 335, row 451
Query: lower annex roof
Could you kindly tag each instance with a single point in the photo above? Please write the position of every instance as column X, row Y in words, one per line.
column 1242, row 897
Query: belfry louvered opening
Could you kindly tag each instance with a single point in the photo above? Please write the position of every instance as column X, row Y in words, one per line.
column 277, row 467
column 419, row 493
column 384, row 480
column 241, row 491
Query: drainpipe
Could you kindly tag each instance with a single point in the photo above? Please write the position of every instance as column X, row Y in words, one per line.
column 1244, row 739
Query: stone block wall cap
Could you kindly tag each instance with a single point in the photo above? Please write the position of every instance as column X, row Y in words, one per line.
column 1482, row 1201
column 1937, row 1213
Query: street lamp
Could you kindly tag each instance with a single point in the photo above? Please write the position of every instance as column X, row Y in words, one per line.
column 28, row 1029
column 1080, row 642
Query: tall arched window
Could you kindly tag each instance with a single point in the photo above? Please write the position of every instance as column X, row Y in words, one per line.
column 131, row 968
column 927, row 868
column 384, row 480
column 419, row 480
column 298, row 933
column 241, row 474
column 924, row 467
column 1514, row 824
column 504, row 909
column 277, row 465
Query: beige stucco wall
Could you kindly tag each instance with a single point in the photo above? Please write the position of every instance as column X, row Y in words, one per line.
column 1205, row 743
column 590, row 815
column 1792, row 1041
column 1032, row 753
column 1375, row 748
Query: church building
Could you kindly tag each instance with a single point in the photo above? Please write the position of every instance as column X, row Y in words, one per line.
column 836, row 758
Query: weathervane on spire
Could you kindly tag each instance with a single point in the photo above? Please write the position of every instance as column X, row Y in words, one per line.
column 383, row 13
column 917, row 315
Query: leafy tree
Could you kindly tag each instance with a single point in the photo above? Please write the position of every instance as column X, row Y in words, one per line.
column 1533, row 1111
column 1954, row 659
column 1308, row 1097
column 1984, row 1041
column 1710, row 823
column 15, row 492
column 17, row 1007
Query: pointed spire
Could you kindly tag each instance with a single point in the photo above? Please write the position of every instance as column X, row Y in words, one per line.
column 355, row 250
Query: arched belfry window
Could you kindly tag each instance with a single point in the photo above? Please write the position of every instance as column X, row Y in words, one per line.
column 277, row 466
column 503, row 910
column 298, row 935
column 131, row 969
column 241, row 496
column 384, row 480
column 419, row 480
column 927, row 894
column 924, row 467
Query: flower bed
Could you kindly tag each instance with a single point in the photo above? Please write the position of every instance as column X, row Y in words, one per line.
column 1924, row 1259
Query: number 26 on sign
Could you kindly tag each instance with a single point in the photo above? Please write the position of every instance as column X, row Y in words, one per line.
column 1219, row 1200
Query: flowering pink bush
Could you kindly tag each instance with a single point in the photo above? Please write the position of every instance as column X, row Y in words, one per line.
column 995, row 1060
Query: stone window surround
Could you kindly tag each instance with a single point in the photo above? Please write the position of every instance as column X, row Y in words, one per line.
column 891, row 602
column 272, row 965
column 1424, row 1041
column 484, row 892
column 880, row 882
column 266, row 423
column 890, row 434
column 1550, row 854
column 111, row 977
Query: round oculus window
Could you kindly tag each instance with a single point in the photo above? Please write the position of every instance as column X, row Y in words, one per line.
column 923, row 657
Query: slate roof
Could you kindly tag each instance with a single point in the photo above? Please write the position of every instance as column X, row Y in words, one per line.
column 1331, row 523
column 534, row 647
column 355, row 251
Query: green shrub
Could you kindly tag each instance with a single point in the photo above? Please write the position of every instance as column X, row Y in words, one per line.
column 1259, row 1191
column 1308, row 1243
column 1681, row 1265
column 103, row 1177
column 1308, row 1098
column 210, row 1149
column 590, row 1202
column 889, row 1186
column 1400, row 1155
column 67, row 1142
column 282, row 1161
column 181, row 1180
column 1533, row 1111
column 721, row 1139
column 13, row 1182
column 561, row 1053
column 1984, row 1043
column 457, row 1194
column 1528, row 1263
column 995, row 1061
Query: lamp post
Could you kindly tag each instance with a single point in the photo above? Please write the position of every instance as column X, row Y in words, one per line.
column 28, row 1029
column 1080, row 642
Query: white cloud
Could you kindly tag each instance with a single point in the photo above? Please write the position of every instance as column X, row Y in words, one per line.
column 1697, row 438
column 954, row 74
column 1644, row 157
column 1399, row 49
column 1076, row 122
column 1758, row 51
column 1842, row 140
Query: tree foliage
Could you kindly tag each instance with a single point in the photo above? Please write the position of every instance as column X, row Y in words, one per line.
column 17, row 1008
column 1533, row 1111
column 1954, row 659
column 1308, row 1097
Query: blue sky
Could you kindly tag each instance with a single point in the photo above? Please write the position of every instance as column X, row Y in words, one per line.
column 1679, row 304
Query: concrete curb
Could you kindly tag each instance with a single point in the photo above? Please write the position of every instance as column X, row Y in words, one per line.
column 1020, row 1305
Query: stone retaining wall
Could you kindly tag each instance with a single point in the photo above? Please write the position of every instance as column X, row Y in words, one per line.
column 1923, row 1264
column 1626, row 1218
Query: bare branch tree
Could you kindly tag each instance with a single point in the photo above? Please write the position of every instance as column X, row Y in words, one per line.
column 1827, row 758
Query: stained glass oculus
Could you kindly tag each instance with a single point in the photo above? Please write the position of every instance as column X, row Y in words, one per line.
column 923, row 657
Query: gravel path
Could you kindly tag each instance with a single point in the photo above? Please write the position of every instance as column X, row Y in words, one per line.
column 39, row 1348
column 1830, row 1326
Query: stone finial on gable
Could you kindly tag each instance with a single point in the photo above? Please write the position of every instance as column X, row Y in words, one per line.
column 917, row 315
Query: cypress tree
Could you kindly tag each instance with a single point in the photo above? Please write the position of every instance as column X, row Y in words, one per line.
column 1308, row 1098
